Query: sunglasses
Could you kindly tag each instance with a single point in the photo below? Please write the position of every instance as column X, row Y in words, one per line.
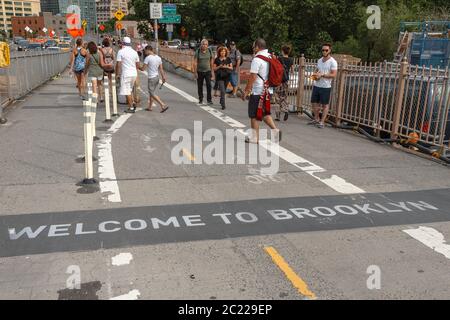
column 325, row 50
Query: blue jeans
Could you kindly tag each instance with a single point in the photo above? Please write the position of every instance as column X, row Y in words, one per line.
column 234, row 79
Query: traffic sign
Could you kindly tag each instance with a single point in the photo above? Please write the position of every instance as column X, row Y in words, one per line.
column 84, row 24
column 171, row 19
column 169, row 9
column 102, row 27
column 119, row 14
column 119, row 26
column 156, row 11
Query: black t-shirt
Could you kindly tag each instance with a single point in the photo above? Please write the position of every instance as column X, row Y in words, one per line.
column 222, row 74
column 287, row 64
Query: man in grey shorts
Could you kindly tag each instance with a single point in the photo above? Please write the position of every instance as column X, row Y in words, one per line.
column 154, row 66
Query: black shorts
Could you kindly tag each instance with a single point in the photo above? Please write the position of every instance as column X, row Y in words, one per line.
column 253, row 104
column 321, row 95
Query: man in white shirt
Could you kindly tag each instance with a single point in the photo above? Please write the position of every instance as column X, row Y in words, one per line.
column 154, row 66
column 127, row 65
column 320, row 98
column 259, row 73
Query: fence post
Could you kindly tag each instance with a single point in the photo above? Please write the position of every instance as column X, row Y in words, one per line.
column 107, row 105
column 114, row 95
column 301, row 84
column 341, row 87
column 399, row 98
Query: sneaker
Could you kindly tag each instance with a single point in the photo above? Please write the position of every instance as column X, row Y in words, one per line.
column 313, row 123
column 320, row 125
column 130, row 110
column 210, row 103
column 223, row 107
column 200, row 101
column 232, row 96
column 248, row 140
column 286, row 116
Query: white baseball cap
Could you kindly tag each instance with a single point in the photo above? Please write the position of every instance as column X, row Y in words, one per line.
column 126, row 40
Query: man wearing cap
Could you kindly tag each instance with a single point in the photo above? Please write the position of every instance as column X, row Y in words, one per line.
column 127, row 65
column 236, row 59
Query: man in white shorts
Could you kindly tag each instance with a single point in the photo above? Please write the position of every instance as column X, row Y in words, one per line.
column 127, row 65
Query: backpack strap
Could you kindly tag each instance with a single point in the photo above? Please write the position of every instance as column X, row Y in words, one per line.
column 266, row 60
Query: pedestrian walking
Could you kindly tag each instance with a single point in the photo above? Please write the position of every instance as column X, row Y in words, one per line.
column 258, row 91
column 281, row 92
column 203, row 66
column 126, row 68
column 94, row 68
column 78, row 66
column 236, row 60
column 323, row 76
column 154, row 66
column 223, row 68
column 108, row 59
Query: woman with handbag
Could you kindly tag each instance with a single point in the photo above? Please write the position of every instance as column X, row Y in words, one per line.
column 94, row 67
column 223, row 68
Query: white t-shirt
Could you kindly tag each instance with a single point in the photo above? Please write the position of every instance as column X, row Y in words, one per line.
column 128, row 57
column 153, row 62
column 260, row 67
column 325, row 68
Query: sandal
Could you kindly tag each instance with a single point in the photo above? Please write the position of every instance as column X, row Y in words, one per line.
column 165, row 109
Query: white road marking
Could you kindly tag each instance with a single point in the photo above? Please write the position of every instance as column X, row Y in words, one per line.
column 335, row 182
column 122, row 259
column 106, row 172
column 132, row 295
column 431, row 238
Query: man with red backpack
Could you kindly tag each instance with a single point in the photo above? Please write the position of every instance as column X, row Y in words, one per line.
column 266, row 72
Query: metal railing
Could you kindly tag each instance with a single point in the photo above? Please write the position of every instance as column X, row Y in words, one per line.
column 391, row 101
column 394, row 100
column 28, row 71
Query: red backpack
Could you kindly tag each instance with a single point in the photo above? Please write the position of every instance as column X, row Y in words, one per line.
column 276, row 70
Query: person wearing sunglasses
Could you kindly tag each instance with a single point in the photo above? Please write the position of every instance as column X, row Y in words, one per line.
column 320, row 98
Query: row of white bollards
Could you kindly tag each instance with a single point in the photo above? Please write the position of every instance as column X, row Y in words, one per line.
column 90, row 114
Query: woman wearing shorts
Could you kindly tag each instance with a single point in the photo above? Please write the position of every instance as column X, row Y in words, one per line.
column 78, row 66
column 94, row 68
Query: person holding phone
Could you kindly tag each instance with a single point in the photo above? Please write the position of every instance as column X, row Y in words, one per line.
column 154, row 66
column 223, row 68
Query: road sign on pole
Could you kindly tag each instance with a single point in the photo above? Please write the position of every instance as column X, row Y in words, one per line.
column 171, row 19
column 119, row 14
column 156, row 11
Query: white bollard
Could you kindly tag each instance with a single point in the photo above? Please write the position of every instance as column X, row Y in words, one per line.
column 107, row 105
column 89, row 86
column 114, row 95
column 94, row 115
column 88, row 145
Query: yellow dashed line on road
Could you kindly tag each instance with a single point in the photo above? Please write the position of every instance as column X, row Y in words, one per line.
column 296, row 281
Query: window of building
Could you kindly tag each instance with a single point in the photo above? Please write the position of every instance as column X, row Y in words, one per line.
column 27, row 9
column 8, row 2
column 9, row 13
column 27, row 4
column 18, row 3
column 8, row 8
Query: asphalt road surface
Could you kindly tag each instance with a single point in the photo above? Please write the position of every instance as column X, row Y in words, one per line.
column 343, row 217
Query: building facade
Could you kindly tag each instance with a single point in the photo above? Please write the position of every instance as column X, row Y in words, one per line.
column 20, row 8
column 37, row 24
column 103, row 11
column 88, row 11
column 50, row 6
column 107, row 8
